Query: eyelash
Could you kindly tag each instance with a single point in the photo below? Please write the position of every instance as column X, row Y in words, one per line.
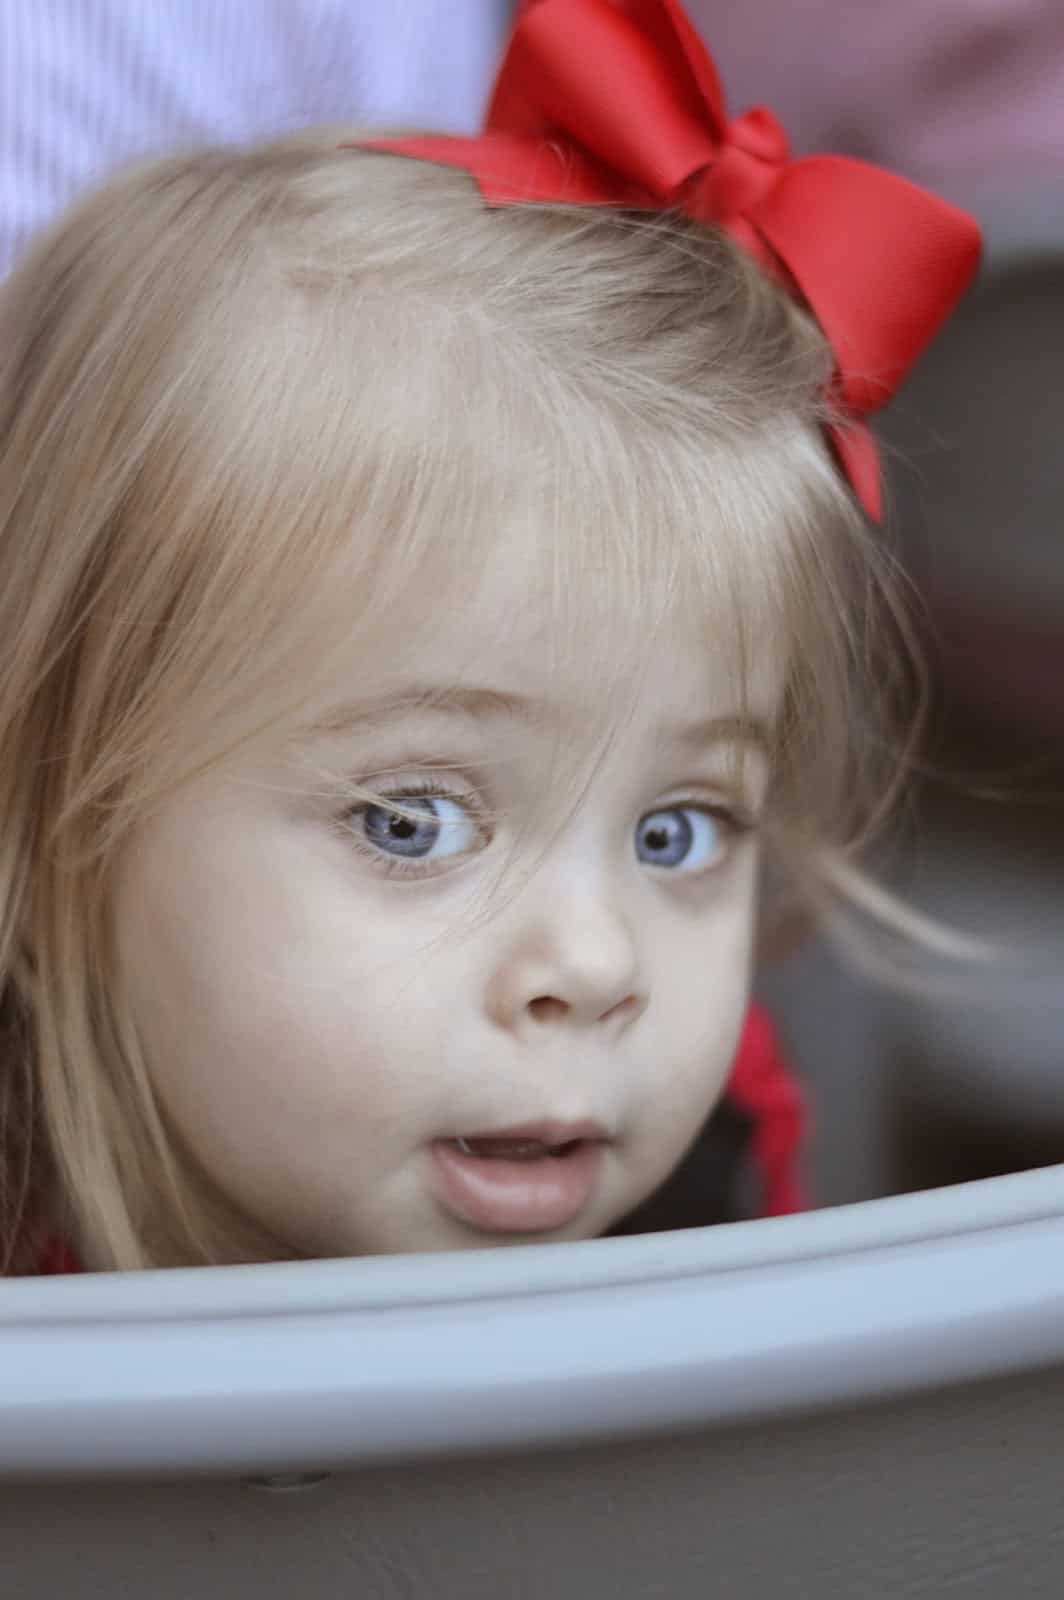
column 735, row 820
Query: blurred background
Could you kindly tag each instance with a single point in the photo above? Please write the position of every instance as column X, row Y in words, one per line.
column 965, row 96
column 909, row 1090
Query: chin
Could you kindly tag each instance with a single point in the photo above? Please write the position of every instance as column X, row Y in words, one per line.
column 449, row 1233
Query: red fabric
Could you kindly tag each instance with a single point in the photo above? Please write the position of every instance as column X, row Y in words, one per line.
column 763, row 1086
column 57, row 1258
column 617, row 102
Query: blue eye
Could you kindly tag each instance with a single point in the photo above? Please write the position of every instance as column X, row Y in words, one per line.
column 687, row 838
column 417, row 827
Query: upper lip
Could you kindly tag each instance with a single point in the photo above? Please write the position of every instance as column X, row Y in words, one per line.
column 546, row 1133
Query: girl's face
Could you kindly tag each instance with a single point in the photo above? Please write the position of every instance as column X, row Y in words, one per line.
column 499, row 1016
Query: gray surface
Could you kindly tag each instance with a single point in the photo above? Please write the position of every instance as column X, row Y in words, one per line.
column 956, row 1494
column 341, row 1364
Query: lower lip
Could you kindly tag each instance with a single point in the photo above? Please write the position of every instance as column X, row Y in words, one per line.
column 500, row 1196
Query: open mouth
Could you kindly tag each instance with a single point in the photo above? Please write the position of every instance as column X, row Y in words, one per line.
column 520, row 1180
column 500, row 1149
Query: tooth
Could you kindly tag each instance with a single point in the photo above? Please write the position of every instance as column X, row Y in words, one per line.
column 488, row 1149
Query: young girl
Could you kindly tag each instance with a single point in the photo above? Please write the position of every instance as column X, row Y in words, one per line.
column 422, row 616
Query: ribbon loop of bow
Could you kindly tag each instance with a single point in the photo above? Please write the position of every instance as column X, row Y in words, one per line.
column 592, row 75
column 617, row 102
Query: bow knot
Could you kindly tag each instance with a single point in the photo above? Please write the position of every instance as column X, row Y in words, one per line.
column 617, row 102
column 749, row 163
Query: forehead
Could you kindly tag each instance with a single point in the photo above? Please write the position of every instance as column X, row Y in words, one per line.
column 551, row 619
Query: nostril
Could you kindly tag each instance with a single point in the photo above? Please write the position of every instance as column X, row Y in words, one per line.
column 546, row 1008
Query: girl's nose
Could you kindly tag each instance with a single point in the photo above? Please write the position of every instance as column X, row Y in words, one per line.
column 572, row 957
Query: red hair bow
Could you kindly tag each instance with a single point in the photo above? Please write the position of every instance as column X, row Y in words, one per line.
column 616, row 102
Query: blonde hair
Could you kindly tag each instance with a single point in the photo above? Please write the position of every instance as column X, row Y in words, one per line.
column 210, row 374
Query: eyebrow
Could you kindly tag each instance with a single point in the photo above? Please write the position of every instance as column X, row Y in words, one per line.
column 475, row 703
